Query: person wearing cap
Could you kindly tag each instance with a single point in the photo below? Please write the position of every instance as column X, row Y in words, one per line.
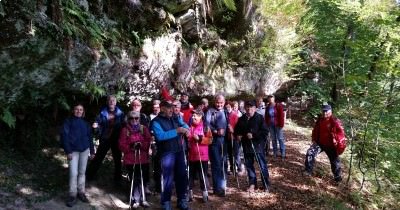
column 199, row 139
column 108, row 124
column 168, row 133
column 136, row 106
column 326, row 133
column 217, row 121
column 135, row 137
column 252, row 131
column 275, row 120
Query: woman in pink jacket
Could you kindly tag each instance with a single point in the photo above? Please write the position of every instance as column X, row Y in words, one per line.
column 134, row 139
column 199, row 139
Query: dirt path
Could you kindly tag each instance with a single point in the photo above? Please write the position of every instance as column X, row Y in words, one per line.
column 289, row 188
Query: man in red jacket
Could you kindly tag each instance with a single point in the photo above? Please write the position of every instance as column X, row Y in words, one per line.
column 327, row 130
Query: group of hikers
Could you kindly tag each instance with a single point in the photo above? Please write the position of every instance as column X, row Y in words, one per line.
column 178, row 141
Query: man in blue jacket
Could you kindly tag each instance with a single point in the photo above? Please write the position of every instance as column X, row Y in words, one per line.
column 168, row 132
column 108, row 123
column 217, row 121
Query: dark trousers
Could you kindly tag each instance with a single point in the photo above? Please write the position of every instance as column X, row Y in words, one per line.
column 157, row 172
column 101, row 153
column 249, row 162
column 233, row 148
column 173, row 170
column 217, row 151
column 137, row 184
column 195, row 170
column 315, row 150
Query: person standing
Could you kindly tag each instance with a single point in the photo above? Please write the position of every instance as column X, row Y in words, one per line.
column 156, row 109
column 135, row 137
column 108, row 123
column 136, row 106
column 275, row 119
column 77, row 142
column 252, row 132
column 199, row 138
column 168, row 133
column 327, row 136
column 260, row 105
column 186, row 107
column 231, row 142
column 217, row 121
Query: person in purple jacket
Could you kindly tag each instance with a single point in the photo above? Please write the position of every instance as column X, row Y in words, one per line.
column 76, row 139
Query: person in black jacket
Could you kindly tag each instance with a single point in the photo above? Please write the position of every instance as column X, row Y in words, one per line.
column 252, row 131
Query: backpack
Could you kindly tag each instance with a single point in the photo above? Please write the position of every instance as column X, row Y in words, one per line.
column 339, row 138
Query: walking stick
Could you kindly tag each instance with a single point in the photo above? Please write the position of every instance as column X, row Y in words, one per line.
column 141, row 179
column 133, row 177
column 202, row 174
column 223, row 167
column 187, row 165
column 234, row 162
column 259, row 164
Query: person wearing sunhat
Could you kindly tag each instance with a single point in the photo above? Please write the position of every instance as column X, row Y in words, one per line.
column 327, row 136
column 168, row 134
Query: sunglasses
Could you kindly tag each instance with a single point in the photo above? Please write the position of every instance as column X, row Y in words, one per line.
column 134, row 118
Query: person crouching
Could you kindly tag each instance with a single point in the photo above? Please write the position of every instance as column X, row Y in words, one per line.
column 134, row 142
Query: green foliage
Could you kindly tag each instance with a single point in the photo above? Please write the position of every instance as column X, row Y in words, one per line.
column 8, row 118
column 354, row 47
column 230, row 4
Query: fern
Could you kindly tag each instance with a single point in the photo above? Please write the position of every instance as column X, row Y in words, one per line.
column 230, row 4
column 8, row 118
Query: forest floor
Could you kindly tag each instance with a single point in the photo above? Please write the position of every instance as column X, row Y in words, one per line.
column 43, row 184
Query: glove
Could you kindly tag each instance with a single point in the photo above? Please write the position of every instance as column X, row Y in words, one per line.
column 137, row 145
column 200, row 139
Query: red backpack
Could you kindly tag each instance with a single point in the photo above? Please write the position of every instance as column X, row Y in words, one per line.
column 339, row 138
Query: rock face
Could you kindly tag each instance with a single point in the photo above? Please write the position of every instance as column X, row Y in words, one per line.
column 135, row 46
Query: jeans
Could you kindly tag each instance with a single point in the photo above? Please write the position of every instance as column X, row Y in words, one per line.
column 77, row 169
column 334, row 160
column 277, row 136
column 101, row 153
column 173, row 170
column 217, row 151
column 249, row 162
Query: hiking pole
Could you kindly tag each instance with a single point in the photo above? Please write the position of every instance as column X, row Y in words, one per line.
column 223, row 167
column 202, row 174
column 259, row 164
column 141, row 179
column 186, row 165
column 133, row 177
column 234, row 162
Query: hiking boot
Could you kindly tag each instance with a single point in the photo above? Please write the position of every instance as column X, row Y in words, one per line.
column 167, row 205
column 190, row 197
column 83, row 198
column 306, row 173
column 220, row 193
column 205, row 196
column 135, row 205
column 145, row 204
column 71, row 201
column 183, row 205
column 338, row 179
column 251, row 188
